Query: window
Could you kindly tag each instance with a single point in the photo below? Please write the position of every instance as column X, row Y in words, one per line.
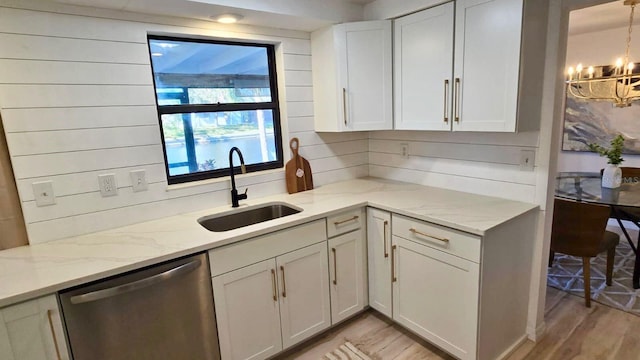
column 212, row 96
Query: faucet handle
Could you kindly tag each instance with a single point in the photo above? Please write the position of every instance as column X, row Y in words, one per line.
column 243, row 196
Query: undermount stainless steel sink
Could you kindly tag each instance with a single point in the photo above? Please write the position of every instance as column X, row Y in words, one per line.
column 245, row 217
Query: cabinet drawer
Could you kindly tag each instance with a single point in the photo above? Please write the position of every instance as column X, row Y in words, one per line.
column 451, row 241
column 251, row 251
column 345, row 222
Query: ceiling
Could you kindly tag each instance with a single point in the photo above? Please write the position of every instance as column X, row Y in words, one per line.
column 601, row 17
column 304, row 15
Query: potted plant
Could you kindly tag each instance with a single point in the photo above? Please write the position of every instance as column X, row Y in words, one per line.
column 612, row 175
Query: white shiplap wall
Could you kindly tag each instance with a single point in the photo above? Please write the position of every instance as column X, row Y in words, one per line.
column 481, row 163
column 77, row 100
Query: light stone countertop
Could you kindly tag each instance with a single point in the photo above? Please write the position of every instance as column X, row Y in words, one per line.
column 31, row 271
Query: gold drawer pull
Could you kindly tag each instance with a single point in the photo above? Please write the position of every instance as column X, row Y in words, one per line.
column 456, row 101
column 384, row 238
column 53, row 334
column 446, row 97
column 355, row 217
column 414, row 231
column 284, row 284
column 273, row 285
column 335, row 266
column 344, row 106
column 393, row 264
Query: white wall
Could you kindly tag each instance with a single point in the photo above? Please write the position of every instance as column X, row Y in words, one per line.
column 597, row 48
column 77, row 100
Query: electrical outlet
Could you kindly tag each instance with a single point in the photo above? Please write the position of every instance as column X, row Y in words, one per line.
column 139, row 180
column 43, row 193
column 404, row 150
column 108, row 186
column 527, row 160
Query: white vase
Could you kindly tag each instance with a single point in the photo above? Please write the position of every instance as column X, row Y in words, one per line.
column 611, row 177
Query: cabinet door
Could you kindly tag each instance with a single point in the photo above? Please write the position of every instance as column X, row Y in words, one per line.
column 436, row 296
column 379, row 248
column 32, row 331
column 304, row 293
column 364, row 75
column 423, row 51
column 487, row 64
column 247, row 312
column 347, row 275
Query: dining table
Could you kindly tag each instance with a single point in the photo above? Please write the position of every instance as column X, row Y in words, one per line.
column 586, row 187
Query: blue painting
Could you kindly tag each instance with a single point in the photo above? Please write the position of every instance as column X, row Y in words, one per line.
column 599, row 122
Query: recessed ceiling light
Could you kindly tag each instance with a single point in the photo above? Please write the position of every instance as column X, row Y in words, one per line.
column 227, row 18
column 156, row 54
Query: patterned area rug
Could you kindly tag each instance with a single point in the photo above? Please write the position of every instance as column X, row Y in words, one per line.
column 346, row 351
column 566, row 275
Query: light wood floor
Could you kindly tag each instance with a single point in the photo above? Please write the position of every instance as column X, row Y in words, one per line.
column 573, row 332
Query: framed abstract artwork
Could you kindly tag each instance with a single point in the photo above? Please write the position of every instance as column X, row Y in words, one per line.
column 587, row 122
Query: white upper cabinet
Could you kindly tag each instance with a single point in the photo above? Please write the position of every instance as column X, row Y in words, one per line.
column 472, row 87
column 352, row 77
column 423, row 64
column 487, row 64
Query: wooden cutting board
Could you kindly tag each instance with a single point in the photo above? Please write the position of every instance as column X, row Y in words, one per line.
column 297, row 171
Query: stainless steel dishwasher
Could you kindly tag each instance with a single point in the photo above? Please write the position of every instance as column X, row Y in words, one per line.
column 161, row 312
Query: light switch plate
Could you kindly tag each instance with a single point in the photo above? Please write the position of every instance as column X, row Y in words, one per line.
column 527, row 160
column 139, row 180
column 108, row 186
column 43, row 193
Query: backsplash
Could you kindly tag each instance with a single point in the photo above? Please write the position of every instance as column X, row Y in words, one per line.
column 480, row 163
column 78, row 101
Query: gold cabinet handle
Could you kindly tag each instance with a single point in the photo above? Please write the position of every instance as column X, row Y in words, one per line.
column 284, row 284
column 446, row 100
column 53, row 334
column 344, row 105
column 393, row 264
column 416, row 232
column 335, row 266
column 384, row 238
column 336, row 223
column 456, row 100
column 273, row 285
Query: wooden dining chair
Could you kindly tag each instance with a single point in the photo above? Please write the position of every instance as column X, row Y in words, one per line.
column 579, row 229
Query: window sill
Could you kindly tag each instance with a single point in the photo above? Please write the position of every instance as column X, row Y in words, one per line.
column 193, row 184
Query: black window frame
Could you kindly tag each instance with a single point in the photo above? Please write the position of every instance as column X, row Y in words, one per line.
column 187, row 109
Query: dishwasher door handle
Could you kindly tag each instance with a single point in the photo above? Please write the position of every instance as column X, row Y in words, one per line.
column 136, row 285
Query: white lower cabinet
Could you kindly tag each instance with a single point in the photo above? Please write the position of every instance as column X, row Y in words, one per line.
column 436, row 296
column 379, row 248
column 347, row 274
column 304, row 293
column 32, row 330
column 465, row 293
column 264, row 308
column 248, row 312
column 271, row 292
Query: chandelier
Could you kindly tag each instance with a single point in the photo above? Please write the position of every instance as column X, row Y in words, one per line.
column 617, row 83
